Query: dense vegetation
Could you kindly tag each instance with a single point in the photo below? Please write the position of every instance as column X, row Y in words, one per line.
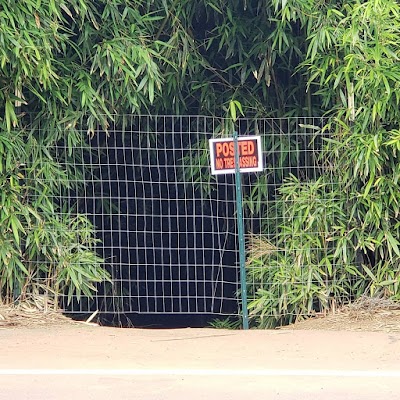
column 69, row 66
column 341, row 230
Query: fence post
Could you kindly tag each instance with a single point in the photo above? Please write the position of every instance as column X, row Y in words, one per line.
column 242, row 252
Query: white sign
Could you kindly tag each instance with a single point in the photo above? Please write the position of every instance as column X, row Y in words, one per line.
column 222, row 152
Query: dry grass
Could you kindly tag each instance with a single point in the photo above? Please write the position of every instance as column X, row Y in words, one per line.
column 259, row 247
column 365, row 314
column 33, row 311
column 369, row 306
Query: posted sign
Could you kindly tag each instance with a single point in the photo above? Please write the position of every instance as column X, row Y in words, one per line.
column 222, row 153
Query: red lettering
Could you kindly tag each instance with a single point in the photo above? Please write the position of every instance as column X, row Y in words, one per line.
column 246, row 147
column 248, row 162
column 218, row 149
column 219, row 163
column 250, row 148
column 228, row 149
column 231, row 149
column 243, row 150
column 225, row 154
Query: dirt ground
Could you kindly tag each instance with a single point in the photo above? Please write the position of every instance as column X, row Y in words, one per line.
column 76, row 361
column 351, row 354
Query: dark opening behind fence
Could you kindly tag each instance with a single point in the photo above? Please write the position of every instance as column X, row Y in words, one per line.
column 167, row 227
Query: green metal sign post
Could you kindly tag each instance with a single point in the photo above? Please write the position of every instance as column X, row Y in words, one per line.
column 237, row 155
column 240, row 224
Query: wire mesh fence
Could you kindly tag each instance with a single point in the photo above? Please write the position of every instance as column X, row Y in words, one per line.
column 167, row 228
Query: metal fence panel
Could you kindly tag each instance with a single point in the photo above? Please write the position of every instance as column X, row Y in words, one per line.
column 167, row 227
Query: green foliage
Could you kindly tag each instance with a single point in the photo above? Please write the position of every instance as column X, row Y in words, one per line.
column 226, row 323
column 352, row 59
column 311, row 265
column 320, row 261
column 341, row 233
column 44, row 249
column 62, row 257
column 101, row 58
column 78, row 64
column 364, row 78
